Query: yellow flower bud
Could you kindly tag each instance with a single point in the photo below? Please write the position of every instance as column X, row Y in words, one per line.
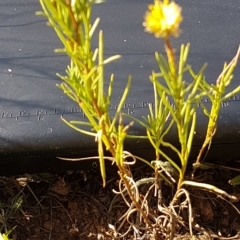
column 163, row 19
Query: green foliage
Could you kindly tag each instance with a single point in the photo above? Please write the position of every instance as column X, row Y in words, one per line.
column 178, row 102
column 5, row 236
column 217, row 94
column 7, row 211
column 176, row 97
column 84, row 82
column 182, row 111
column 235, row 180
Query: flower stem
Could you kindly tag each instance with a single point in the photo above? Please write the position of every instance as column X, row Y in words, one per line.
column 171, row 55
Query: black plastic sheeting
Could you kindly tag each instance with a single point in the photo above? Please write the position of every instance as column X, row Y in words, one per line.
column 31, row 131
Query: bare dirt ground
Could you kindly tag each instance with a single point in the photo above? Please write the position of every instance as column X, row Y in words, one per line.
column 74, row 205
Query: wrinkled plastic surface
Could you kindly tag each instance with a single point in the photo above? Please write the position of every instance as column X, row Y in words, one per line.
column 31, row 131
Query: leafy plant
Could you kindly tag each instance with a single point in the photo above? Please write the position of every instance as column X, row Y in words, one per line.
column 175, row 101
column 84, row 83
column 177, row 98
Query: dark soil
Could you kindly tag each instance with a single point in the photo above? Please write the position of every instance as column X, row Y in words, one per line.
column 74, row 205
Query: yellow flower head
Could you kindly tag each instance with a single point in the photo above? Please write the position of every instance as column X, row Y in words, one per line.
column 163, row 19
